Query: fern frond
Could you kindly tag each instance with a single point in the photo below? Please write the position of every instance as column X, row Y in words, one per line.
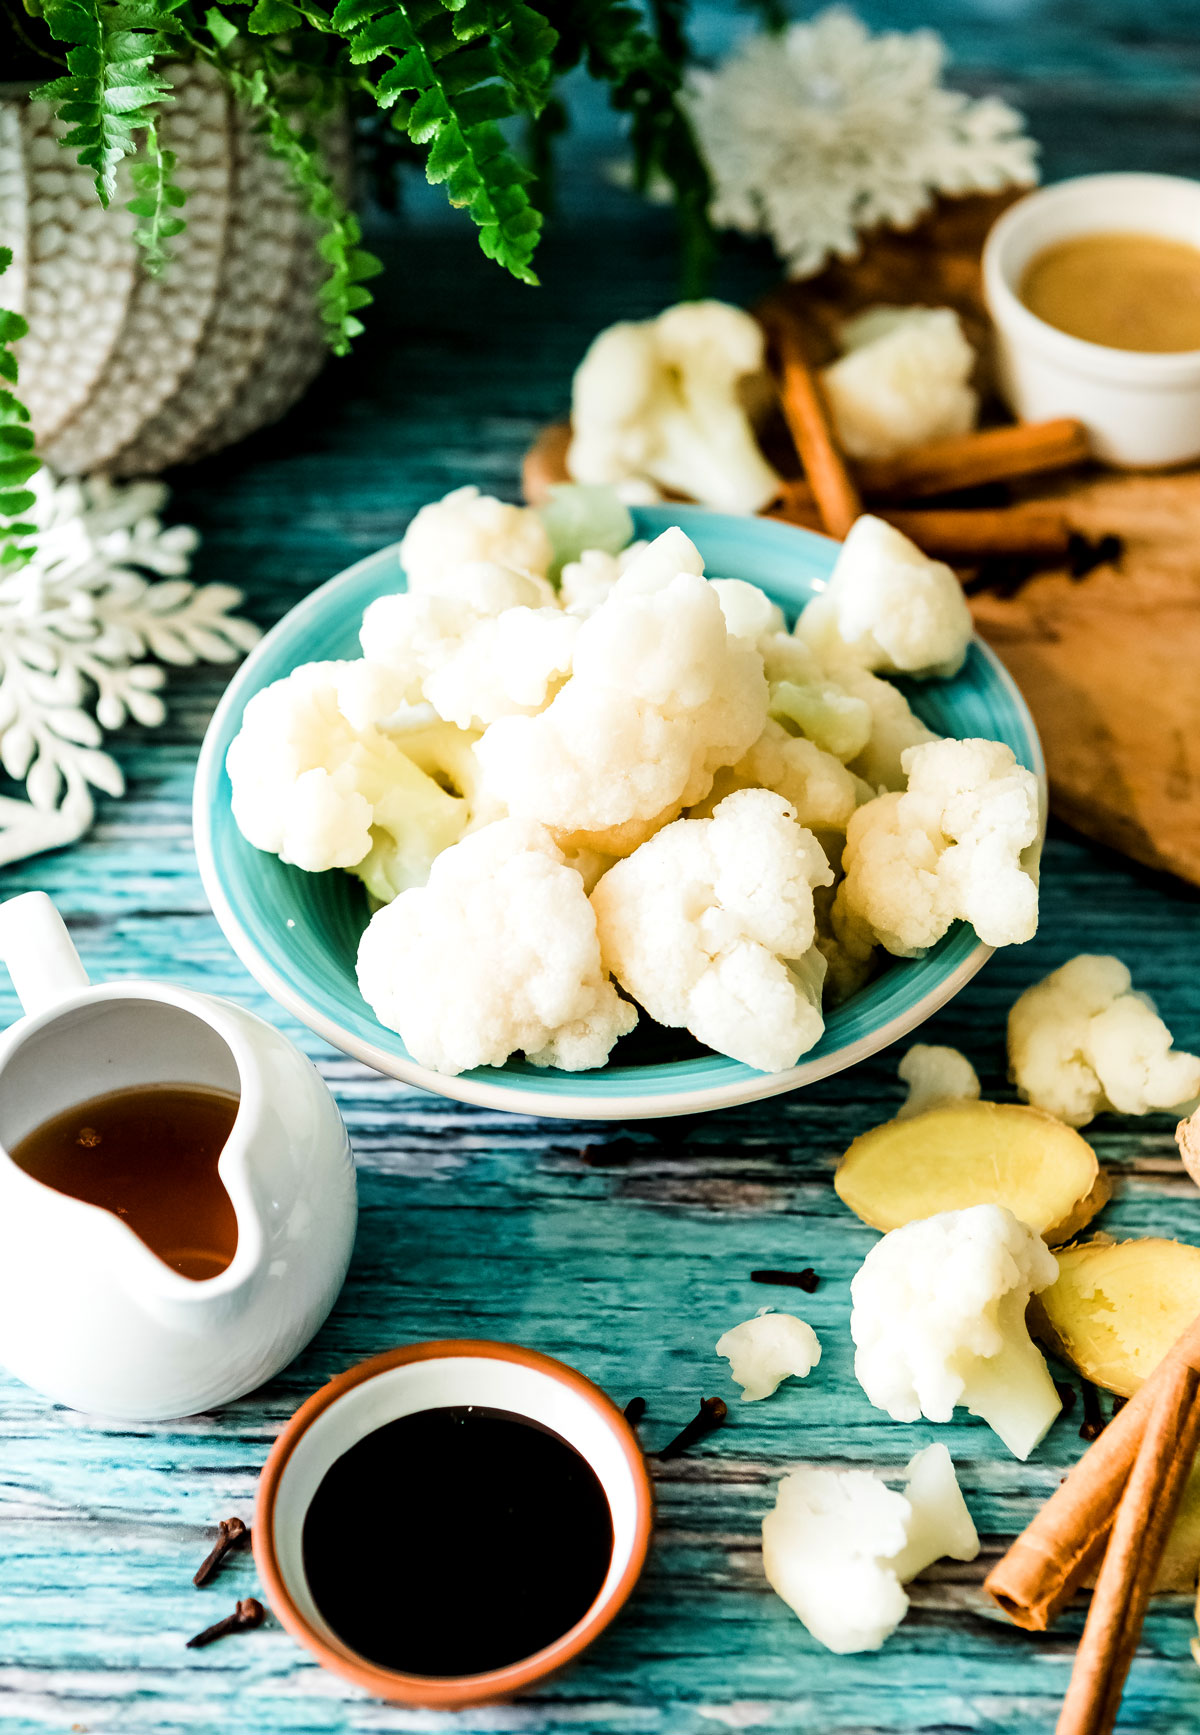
column 157, row 196
column 19, row 461
column 341, row 295
column 455, row 72
column 111, row 91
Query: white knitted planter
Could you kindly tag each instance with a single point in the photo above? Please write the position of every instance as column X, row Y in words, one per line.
column 123, row 373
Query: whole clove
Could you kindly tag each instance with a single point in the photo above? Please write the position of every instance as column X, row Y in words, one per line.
column 1085, row 553
column 248, row 1613
column 707, row 1420
column 231, row 1534
column 807, row 1280
column 1093, row 1424
column 1066, row 1396
column 634, row 1410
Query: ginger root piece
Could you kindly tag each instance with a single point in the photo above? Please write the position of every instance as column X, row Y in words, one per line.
column 1116, row 1308
column 974, row 1153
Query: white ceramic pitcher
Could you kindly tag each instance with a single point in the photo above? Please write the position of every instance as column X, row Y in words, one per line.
column 89, row 1315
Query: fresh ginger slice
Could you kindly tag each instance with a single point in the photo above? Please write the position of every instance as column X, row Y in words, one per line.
column 974, row 1153
column 1117, row 1307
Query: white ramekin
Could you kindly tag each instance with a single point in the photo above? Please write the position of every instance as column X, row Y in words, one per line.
column 1141, row 410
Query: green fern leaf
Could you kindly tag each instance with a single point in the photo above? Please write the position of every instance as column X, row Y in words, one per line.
column 19, row 462
column 111, row 91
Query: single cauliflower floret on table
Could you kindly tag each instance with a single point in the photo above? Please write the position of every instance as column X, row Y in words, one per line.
column 316, row 783
column 947, row 849
column 935, row 1075
column 496, row 955
column 662, row 399
column 888, row 607
column 660, row 696
column 482, row 645
column 938, row 1318
column 1083, row 1040
column 710, row 926
column 467, row 526
column 903, row 379
column 764, row 1351
column 839, row 1545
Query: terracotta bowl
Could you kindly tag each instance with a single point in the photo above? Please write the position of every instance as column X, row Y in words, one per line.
column 423, row 1376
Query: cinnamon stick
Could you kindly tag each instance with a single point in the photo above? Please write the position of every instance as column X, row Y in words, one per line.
column 963, row 534
column 837, row 499
column 975, row 533
column 1139, row 1536
column 970, row 460
column 1049, row 1561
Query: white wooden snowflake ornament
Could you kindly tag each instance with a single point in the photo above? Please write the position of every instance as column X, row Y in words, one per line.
column 103, row 594
column 824, row 131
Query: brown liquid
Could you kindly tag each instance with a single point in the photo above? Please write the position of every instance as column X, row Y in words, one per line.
column 148, row 1155
column 1124, row 291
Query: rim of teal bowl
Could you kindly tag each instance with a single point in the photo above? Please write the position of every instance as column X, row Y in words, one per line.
column 242, row 883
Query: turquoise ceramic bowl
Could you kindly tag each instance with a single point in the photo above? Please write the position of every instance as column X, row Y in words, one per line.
column 297, row 933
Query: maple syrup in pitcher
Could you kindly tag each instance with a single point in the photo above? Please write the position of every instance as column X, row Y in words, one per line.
column 149, row 1155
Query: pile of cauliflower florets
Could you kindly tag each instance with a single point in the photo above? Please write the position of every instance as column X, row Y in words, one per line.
column 580, row 777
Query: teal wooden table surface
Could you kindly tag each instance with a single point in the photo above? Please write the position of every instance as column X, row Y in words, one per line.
column 627, row 1261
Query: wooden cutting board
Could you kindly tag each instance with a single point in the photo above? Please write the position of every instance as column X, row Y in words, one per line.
column 1110, row 664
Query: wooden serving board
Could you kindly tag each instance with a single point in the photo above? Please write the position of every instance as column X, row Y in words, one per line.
column 1110, row 664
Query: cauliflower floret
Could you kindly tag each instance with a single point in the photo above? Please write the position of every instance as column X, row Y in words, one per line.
column 660, row 696
column 903, row 379
column 935, row 1075
column 888, row 606
column 895, row 727
column 497, row 954
column 801, row 692
column 749, row 612
column 316, row 783
column 588, row 581
column 467, row 526
column 820, row 788
column 938, row 1318
column 710, row 927
column 581, row 518
column 1082, row 1040
column 825, row 713
column 948, row 849
column 478, row 648
column 839, row 1544
column 764, row 1351
column 661, row 399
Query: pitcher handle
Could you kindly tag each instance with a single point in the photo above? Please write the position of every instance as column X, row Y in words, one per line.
column 38, row 952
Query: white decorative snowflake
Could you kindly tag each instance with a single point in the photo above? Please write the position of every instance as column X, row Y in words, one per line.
column 824, row 131
column 103, row 593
